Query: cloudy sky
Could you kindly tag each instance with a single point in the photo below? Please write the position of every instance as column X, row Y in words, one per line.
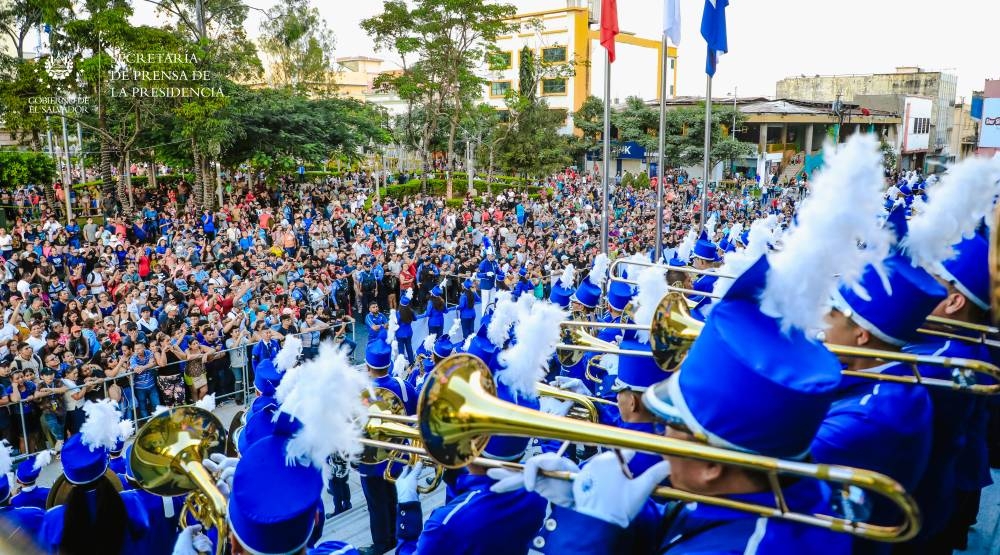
column 768, row 40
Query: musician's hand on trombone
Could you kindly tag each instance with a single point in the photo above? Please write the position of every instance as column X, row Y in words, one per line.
column 222, row 469
column 604, row 490
column 406, row 484
column 574, row 385
column 551, row 405
column 191, row 541
column 557, row 491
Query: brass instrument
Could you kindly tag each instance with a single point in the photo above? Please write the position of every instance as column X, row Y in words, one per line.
column 585, row 406
column 685, row 269
column 671, row 334
column 458, row 411
column 994, row 265
column 166, row 460
column 387, row 421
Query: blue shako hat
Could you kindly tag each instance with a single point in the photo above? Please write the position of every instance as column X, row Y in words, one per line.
column 436, row 291
column 27, row 472
column 587, row 294
column 742, row 347
column 274, row 503
column 262, row 402
column 705, row 249
column 443, row 346
column 619, row 295
column 378, row 355
column 266, row 423
column 637, row 373
column 969, row 270
column 892, row 315
column 266, row 377
column 82, row 463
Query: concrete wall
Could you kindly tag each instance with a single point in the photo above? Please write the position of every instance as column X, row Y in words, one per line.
column 941, row 87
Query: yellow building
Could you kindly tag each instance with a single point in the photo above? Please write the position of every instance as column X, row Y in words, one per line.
column 569, row 34
column 355, row 75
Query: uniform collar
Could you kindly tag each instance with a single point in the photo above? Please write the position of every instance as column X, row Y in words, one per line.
column 472, row 482
column 889, row 368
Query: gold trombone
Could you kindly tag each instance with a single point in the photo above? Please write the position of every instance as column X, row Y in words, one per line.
column 166, row 461
column 387, row 421
column 458, row 411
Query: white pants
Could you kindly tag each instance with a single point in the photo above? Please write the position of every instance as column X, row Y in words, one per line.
column 487, row 295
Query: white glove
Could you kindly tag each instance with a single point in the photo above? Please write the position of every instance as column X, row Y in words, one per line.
column 192, row 542
column 559, row 492
column 550, row 405
column 574, row 385
column 603, row 491
column 222, row 468
column 489, row 274
column 406, row 484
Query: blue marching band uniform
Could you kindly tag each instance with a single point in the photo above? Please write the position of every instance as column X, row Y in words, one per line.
column 931, row 440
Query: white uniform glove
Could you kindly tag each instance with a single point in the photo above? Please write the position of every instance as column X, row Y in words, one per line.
column 574, row 385
column 222, row 468
column 192, row 542
column 559, row 492
column 489, row 274
column 550, row 405
column 603, row 491
column 406, row 484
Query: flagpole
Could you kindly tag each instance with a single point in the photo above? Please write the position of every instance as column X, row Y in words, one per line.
column 658, row 252
column 607, row 152
column 708, row 149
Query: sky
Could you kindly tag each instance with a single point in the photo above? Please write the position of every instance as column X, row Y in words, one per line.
column 768, row 40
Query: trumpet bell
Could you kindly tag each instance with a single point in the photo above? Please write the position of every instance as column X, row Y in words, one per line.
column 577, row 336
column 447, row 428
column 170, row 445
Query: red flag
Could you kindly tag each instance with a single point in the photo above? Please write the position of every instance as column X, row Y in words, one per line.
column 609, row 26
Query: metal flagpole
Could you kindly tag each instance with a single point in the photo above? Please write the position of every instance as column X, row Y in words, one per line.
column 68, row 180
column 708, row 149
column 607, row 152
column 658, row 251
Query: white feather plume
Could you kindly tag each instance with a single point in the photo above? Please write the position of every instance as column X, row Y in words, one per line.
column 207, row 402
column 429, row 342
column 409, row 294
column 393, row 326
column 953, row 210
column 126, row 428
column 687, row 245
column 399, row 366
column 456, row 328
column 443, row 284
column 841, row 212
column 322, row 394
column 651, row 288
column 526, row 362
column 568, row 277
column 504, row 316
column 160, row 409
column 735, row 231
column 6, row 460
column 761, row 232
column 599, row 271
column 43, row 458
column 289, row 354
column 710, row 227
column 468, row 342
column 100, row 429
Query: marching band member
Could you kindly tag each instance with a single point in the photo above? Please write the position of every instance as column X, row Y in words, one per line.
column 436, row 309
column 525, row 284
column 944, row 240
column 488, row 273
column 619, row 295
column 116, row 462
column 275, row 504
column 404, row 320
column 30, row 494
column 704, row 256
column 379, row 493
column 755, row 342
column 467, row 308
column 587, row 296
column 874, row 425
column 464, row 523
column 23, row 520
column 95, row 518
column 164, row 514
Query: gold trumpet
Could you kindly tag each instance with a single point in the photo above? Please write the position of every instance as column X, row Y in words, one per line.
column 166, row 461
column 387, row 421
column 458, row 411
column 585, row 406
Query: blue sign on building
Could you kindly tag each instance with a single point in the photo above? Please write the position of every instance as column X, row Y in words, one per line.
column 629, row 150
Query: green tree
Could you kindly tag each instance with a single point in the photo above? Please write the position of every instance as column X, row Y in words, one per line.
column 300, row 45
column 18, row 169
column 526, row 83
column 636, row 121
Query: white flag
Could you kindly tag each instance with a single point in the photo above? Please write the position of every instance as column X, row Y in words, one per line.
column 672, row 20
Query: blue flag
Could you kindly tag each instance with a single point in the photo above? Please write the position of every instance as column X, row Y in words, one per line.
column 713, row 28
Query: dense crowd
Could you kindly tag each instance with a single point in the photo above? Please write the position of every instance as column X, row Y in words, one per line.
column 168, row 306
